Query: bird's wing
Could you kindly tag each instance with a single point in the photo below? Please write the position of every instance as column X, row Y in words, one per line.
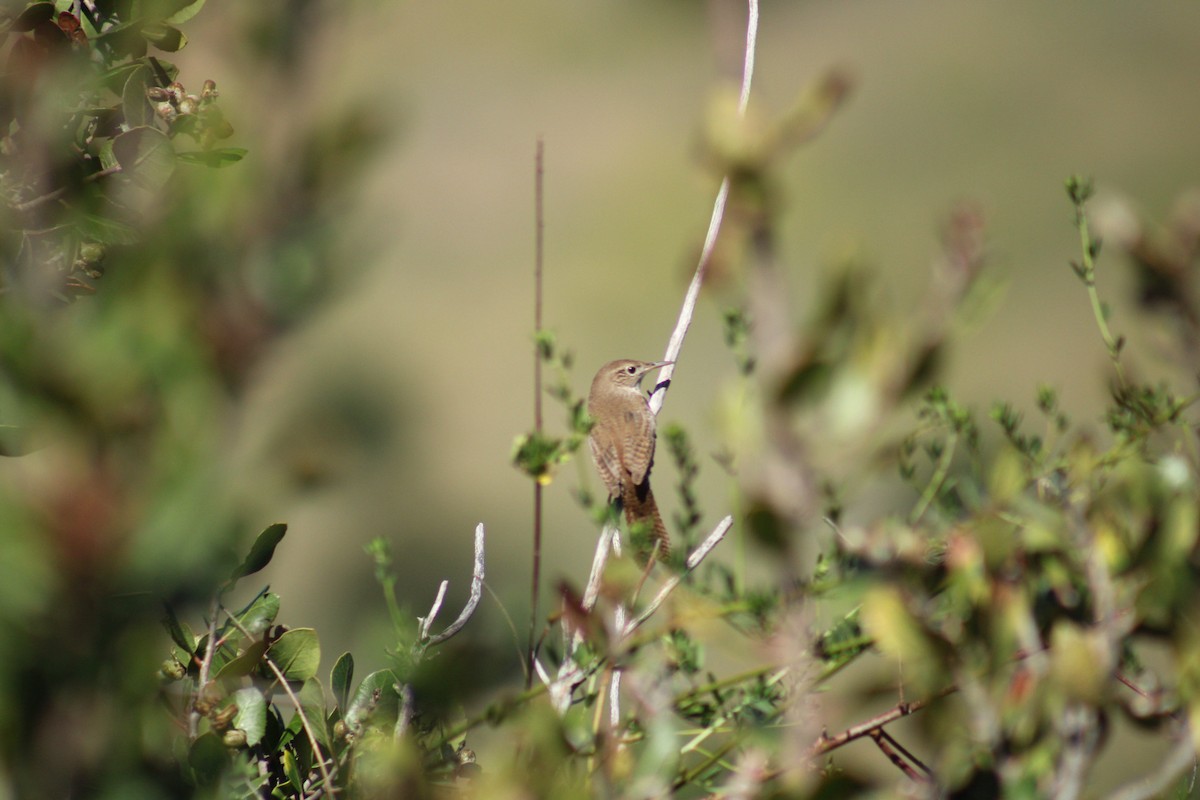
column 639, row 441
column 608, row 460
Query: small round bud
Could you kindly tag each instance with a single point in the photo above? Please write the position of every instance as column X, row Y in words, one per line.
column 234, row 738
column 171, row 669
column 91, row 252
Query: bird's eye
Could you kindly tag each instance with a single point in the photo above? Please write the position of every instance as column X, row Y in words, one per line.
column 631, row 369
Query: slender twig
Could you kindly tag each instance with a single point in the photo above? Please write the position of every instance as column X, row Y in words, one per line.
column 326, row 777
column 905, row 752
column 900, row 757
column 210, row 649
column 614, row 702
column 404, row 718
column 687, row 777
column 468, row 611
column 626, row 629
column 570, row 673
column 426, row 622
column 937, row 480
column 675, row 344
column 1080, row 191
column 51, row 196
column 539, row 226
column 592, row 590
column 693, row 560
column 827, row 744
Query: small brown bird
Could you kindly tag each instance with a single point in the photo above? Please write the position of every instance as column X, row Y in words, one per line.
column 622, row 442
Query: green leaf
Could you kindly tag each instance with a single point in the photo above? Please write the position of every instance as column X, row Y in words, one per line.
column 297, row 653
column 105, row 231
column 340, row 678
column 208, row 759
column 292, row 770
column 376, row 697
column 262, row 551
column 245, row 664
column 107, row 159
column 185, row 13
column 136, row 107
column 146, row 157
column 116, row 78
column 312, row 702
column 252, row 714
column 179, row 635
column 260, row 614
column 164, row 37
column 164, row 70
column 221, row 157
column 32, row 16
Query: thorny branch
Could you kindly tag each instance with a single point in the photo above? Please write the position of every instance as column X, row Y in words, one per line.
column 828, row 743
column 899, row 755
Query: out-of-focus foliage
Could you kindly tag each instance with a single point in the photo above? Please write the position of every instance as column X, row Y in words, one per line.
column 94, row 125
column 1028, row 600
column 132, row 307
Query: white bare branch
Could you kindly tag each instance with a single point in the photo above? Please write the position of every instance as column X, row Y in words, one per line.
column 472, row 601
column 693, row 561
column 675, row 344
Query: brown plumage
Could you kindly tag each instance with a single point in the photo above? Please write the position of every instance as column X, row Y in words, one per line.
column 622, row 442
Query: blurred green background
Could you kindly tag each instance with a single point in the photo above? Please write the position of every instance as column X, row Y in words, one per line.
column 391, row 411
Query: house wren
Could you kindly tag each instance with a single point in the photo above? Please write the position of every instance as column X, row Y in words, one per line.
column 622, row 442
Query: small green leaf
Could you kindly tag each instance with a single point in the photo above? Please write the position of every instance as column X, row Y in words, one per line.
column 116, row 78
column 134, row 104
column 262, row 551
column 260, row 614
column 292, row 770
column 312, row 702
column 245, row 664
column 105, row 231
column 208, row 759
column 32, row 16
column 179, row 635
column 376, row 697
column 340, row 678
column 146, row 157
column 186, row 12
column 107, row 159
column 164, row 71
column 221, row 157
column 164, row 37
column 297, row 653
column 252, row 714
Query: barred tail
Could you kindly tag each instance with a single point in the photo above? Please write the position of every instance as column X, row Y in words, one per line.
column 640, row 508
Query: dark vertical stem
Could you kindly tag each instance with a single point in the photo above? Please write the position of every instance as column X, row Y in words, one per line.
column 537, row 399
